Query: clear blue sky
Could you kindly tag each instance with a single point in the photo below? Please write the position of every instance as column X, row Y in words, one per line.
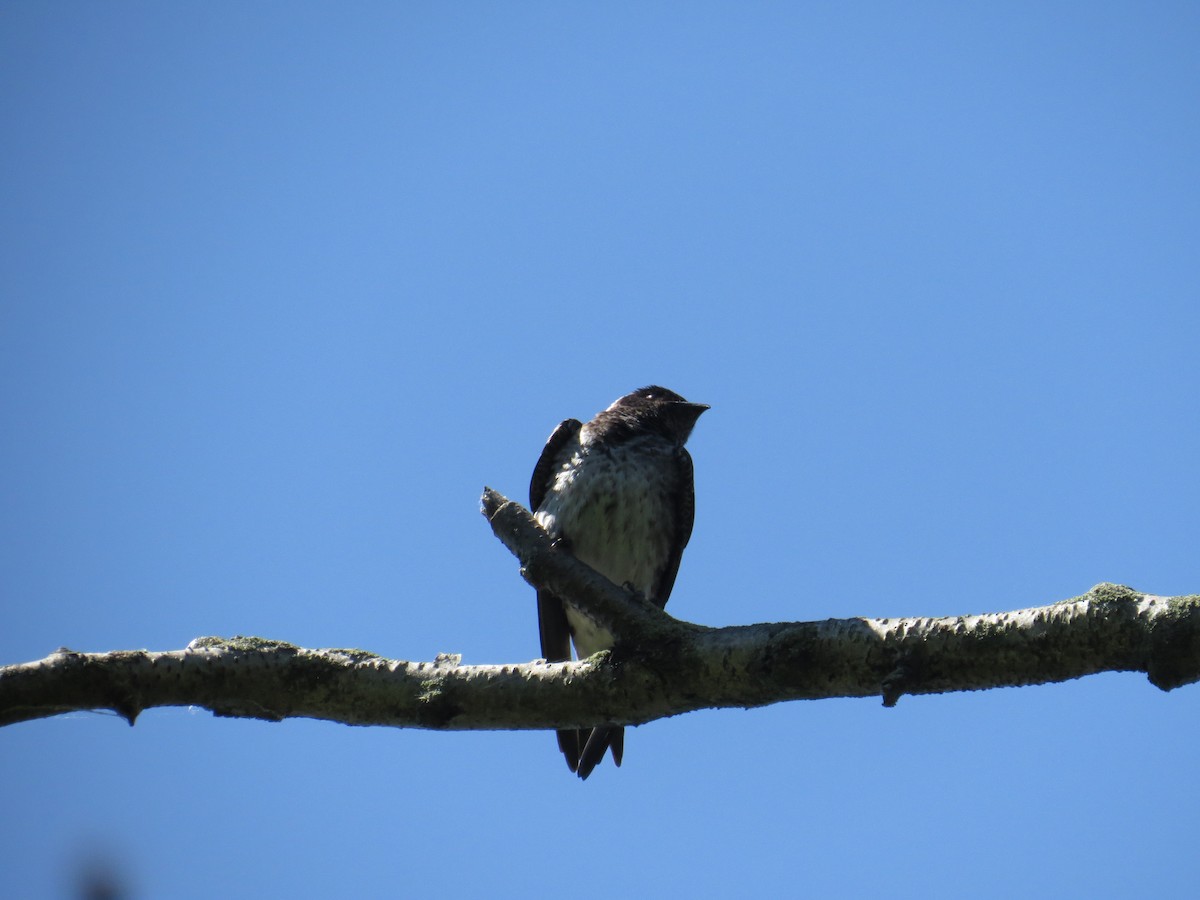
column 285, row 285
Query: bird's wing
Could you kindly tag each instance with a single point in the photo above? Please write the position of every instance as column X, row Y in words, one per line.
column 685, row 509
column 556, row 647
column 553, row 629
column 552, row 616
column 543, row 472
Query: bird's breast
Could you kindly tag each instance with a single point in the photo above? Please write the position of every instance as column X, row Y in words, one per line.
column 615, row 508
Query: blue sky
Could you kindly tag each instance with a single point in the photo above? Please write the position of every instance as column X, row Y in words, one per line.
column 285, row 285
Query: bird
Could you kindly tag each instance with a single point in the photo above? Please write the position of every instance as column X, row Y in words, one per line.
column 618, row 493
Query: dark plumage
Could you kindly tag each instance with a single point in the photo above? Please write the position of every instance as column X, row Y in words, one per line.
column 618, row 490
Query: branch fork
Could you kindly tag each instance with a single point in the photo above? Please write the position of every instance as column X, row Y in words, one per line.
column 660, row 666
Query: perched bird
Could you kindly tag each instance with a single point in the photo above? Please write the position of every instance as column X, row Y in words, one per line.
column 618, row 492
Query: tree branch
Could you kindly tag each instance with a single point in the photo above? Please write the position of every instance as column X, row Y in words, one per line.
column 660, row 666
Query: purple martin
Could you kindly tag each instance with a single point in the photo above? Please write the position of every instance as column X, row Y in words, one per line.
column 618, row 493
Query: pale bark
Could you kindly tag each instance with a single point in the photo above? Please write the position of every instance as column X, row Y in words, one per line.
column 661, row 666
